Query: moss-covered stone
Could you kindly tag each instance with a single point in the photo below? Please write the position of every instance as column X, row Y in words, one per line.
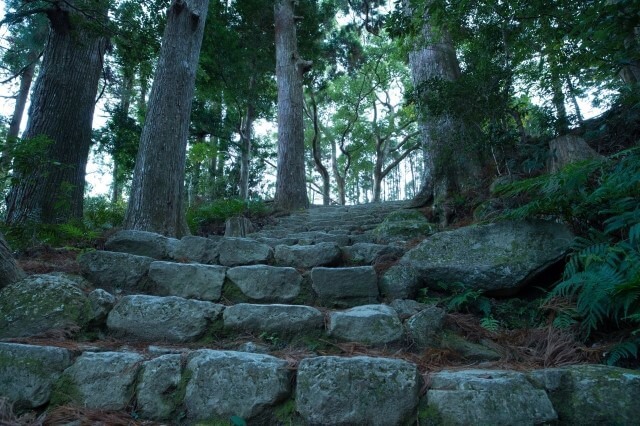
column 592, row 394
column 40, row 303
column 27, row 372
column 404, row 224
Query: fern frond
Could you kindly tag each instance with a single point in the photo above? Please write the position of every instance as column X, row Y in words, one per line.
column 626, row 349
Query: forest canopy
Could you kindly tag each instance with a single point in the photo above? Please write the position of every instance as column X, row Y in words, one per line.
column 430, row 100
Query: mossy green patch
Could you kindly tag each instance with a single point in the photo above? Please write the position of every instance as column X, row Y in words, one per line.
column 286, row 413
column 65, row 391
column 232, row 292
column 41, row 303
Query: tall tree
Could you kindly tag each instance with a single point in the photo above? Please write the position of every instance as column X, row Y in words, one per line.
column 433, row 58
column 61, row 112
column 20, row 61
column 157, row 194
column 291, row 190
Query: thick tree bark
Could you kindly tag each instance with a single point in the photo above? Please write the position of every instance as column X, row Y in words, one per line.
column 433, row 58
column 9, row 270
column 291, row 190
column 568, row 149
column 156, row 203
column 61, row 110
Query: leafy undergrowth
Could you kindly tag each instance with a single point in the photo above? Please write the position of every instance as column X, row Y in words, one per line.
column 600, row 288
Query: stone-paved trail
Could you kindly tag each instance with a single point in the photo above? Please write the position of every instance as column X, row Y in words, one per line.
column 256, row 328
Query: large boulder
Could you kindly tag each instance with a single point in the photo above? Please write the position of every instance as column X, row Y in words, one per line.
column 309, row 256
column 226, row 383
column 141, row 243
column 158, row 387
column 370, row 324
column 592, row 394
column 486, row 397
column 188, row 280
column 280, row 319
column 42, row 302
column 27, row 373
column 162, row 318
column 499, row 257
column 357, row 391
column 103, row 381
column 263, row 283
column 115, row 271
column 243, row 251
column 345, row 286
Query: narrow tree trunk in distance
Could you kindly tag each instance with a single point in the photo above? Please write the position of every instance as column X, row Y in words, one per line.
column 157, row 192
column 246, row 133
column 562, row 121
column 317, row 154
column 291, row 188
column 21, row 101
column 16, row 119
column 126, row 91
column 340, row 180
column 574, row 101
column 61, row 110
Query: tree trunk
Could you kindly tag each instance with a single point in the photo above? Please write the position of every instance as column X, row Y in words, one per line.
column 562, row 121
column 291, row 190
column 434, row 57
column 16, row 119
column 157, row 192
column 340, row 179
column 126, row 92
column 61, row 110
column 246, row 130
column 568, row 149
column 574, row 101
column 21, row 100
column 9, row 270
column 317, row 153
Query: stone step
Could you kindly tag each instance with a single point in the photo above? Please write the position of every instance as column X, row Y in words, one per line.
column 309, row 274
column 215, row 385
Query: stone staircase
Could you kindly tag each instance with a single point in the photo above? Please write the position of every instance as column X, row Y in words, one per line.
column 289, row 325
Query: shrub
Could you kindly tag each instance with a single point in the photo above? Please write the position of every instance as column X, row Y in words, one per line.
column 215, row 213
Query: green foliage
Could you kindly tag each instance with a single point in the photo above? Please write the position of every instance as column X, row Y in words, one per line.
column 30, row 153
column 599, row 198
column 30, row 234
column 100, row 213
column 490, row 323
column 218, row 211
